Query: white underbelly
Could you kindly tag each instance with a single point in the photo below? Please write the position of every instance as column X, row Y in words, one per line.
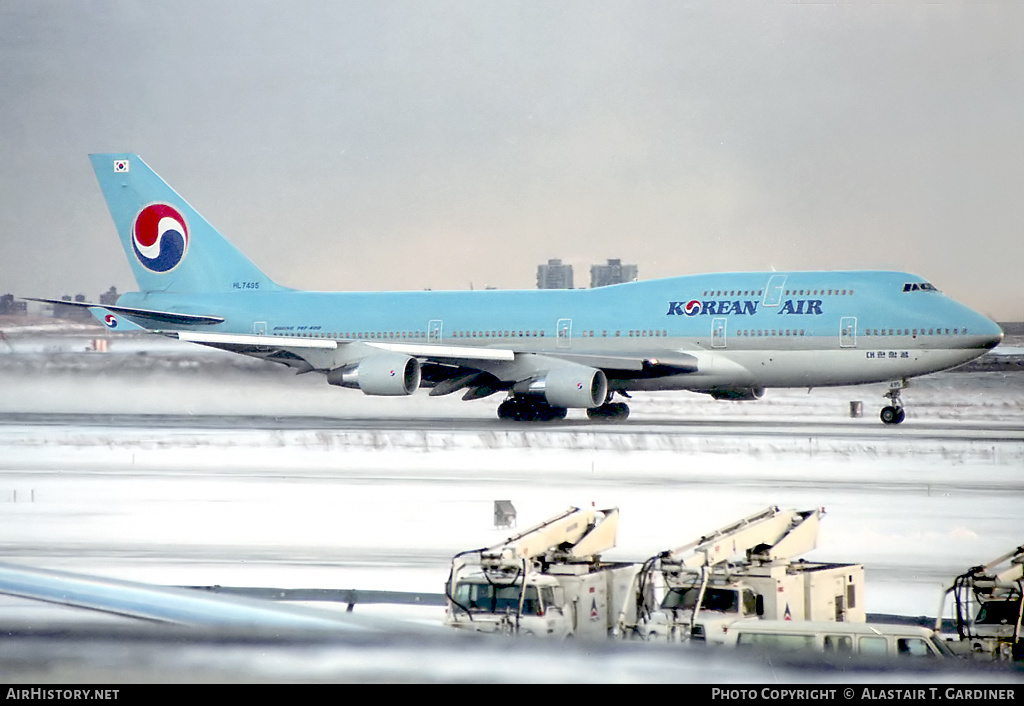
column 808, row 368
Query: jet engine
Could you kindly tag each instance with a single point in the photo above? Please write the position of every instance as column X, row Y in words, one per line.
column 569, row 386
column 738, row 393
column 379, row 374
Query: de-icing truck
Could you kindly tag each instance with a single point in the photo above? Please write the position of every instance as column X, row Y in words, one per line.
column 989, row 610
column 548, row 581
column 742, row 570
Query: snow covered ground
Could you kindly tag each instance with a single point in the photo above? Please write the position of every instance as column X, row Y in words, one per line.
column 347, row 502
column 896, row 497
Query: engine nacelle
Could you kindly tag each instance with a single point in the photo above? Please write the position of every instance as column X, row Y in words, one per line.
column 570, row 386
column 379, row 374
column 740, row 393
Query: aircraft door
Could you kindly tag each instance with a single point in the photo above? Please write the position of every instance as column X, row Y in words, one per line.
column 564, row 333
column 259, row 328
column 773, row 292
column 718, row 333
column 840, row 606
column 848, row 332
column 435, row 330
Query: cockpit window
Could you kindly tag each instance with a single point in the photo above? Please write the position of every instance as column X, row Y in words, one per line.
column 919, row 287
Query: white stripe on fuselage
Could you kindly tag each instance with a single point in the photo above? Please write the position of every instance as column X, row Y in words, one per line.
column 807, row 368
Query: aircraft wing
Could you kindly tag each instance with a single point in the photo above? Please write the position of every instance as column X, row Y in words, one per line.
column 261, row 345
column 669, row 362
column 164, row 604
column 250, row 343
column 478, row 370
column 255, row 343
column 680, row 362
column 264, row 346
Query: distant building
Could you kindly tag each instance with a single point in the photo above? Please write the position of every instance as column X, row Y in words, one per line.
column 612, row 273
column 9, row 306
column 75, row 313
column 554, row 275
column 110, row 297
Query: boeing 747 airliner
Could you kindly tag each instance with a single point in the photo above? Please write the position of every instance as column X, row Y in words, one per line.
column 729, row 335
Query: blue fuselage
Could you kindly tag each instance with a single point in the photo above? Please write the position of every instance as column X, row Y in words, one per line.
column 780, row 329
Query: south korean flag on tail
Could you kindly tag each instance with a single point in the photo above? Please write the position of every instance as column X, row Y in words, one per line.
column 120, row 166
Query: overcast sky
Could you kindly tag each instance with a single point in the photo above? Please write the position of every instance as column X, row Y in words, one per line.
column 404, row 145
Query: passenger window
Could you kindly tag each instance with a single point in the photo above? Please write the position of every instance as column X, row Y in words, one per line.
column 787, row 643
column 840, row 644
column 873, row 645
column 913, row 647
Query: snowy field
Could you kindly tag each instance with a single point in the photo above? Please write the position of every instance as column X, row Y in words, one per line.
column 231, row 485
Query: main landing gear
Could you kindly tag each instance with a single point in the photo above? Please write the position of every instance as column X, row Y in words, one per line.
column 529, row 408
column 610, row 411
column 532, row 408
column 894, row 414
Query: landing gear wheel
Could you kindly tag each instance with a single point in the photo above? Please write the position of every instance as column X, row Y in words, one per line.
column 610, row 412
column 525, row 409
column 894, row 414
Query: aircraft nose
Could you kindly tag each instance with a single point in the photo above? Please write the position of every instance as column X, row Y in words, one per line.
column 995, row 340
column 991, row 332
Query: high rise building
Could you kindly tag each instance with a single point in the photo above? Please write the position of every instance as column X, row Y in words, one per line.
column 554, row 275
column 110, row 297
column 612, row 273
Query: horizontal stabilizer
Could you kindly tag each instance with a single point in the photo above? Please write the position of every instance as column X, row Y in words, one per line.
column 162, row 317
column 113, row 322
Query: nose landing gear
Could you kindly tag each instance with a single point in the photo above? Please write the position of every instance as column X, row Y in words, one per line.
column 894, row 414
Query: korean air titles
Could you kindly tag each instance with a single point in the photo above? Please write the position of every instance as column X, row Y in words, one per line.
column 738, row 307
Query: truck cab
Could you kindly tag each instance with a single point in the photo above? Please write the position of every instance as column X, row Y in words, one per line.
column 745, row 569
column 547, row 581
column 988, row 609
column 719, row 607
column 484, row 604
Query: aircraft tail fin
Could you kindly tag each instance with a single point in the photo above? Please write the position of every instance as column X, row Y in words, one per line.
column 170, row 247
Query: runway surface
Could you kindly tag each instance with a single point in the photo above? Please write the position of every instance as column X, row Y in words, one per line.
column 1009, row 431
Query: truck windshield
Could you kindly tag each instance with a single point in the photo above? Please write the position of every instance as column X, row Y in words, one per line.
column 720, row 599
column 489, row 598
column 997, row 612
